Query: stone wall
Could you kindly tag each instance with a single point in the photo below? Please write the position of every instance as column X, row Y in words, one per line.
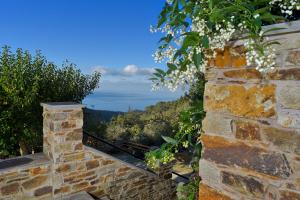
column 251, row 145
column 29, row 181
column 67, row 167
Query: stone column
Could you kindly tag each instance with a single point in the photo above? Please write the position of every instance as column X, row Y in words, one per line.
column 62, row 131
column 62, row 144
column 251, row 145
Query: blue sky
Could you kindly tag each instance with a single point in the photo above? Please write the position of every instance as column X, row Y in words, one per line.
column 110, row 36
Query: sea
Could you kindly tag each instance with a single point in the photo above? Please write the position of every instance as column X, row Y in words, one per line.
column 124, row 101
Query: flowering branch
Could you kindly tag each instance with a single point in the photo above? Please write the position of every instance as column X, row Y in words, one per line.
column 194, row 29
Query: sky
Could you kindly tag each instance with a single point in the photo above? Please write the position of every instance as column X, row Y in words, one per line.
column 108, row 36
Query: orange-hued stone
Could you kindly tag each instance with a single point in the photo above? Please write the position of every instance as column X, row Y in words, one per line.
column 39, row 170
column 254, row 102
column 238, row 62
column 214, row 141
column 229, row 57
column 63, row 189
column 243, row 73
column 246, row 130
column 207, row 193
column 284, row 74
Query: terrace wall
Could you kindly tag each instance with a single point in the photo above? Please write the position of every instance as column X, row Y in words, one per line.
column 251, row 145
column 67, row 167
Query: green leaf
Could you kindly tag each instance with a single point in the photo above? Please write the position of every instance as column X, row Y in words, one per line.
column 160, row 71
column 153, row 79
column 172, row 66
column 170, row 140
column 182, row 2
column 205, row 42
column 197, row 58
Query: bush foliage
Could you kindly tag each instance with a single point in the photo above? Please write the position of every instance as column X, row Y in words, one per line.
column 25, row 82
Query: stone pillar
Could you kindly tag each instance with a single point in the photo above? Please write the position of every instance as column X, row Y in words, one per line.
column 62, row 131
column 62, row 137
column 251, row 145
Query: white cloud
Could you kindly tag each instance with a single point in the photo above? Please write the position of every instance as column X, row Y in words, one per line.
column 129, row 70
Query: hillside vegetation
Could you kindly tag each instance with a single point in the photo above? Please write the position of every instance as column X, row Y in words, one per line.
column 145, row 127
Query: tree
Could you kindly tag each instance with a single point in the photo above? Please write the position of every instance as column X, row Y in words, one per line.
column 25, row 82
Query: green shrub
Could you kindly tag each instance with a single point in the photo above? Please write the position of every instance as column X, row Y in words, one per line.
column 25, row 82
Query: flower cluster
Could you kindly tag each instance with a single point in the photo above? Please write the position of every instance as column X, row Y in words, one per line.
column 286, row 6
column 217, row 39
column 169, row 1
column 164, row 55
column 223, row 34
column 263, row 60
column 154, row 159
column 209, row 34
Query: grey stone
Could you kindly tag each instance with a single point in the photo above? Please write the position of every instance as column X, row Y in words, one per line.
column 78, row 196
column 289, row 96
column 217, row 124
column 289, row 118
column 209, row 173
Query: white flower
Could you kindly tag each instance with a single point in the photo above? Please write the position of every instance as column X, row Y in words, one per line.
column 169, row 1
column 286, row 6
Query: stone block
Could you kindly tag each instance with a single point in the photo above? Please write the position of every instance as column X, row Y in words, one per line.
column 244, row 184
column 73, row 157
column 63, row 168
column 39, row 170
column 289, row 96
column 256, row 101
column 78, row 146
column 230, row 57
column 272, row 193
column 35, row 182
column 63, row 189
column 74, row 135
column 68, row 124
column 62, row 147
column 43, row 191
column 10, row 189
column 80, row 186
column 58, row 116
column 217, row 124
column 284, row 74
column 55, row 126
column 284, row 140
column 238, row 154
column 289, row 195
column 293, row 58
column 243, row 74
column 289, row 118
column 208, row 193
column 210, row 174
column 76, row 114
column 107, row 162
column 246, row 130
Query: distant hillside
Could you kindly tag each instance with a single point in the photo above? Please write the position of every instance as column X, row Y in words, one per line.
column 94, row 116
column 148, row 126
column 145, row 127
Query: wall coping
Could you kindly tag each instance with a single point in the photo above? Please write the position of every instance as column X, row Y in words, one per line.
column 288, row 27
column 62, row 105
column 38, row 159
column 107, row 156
